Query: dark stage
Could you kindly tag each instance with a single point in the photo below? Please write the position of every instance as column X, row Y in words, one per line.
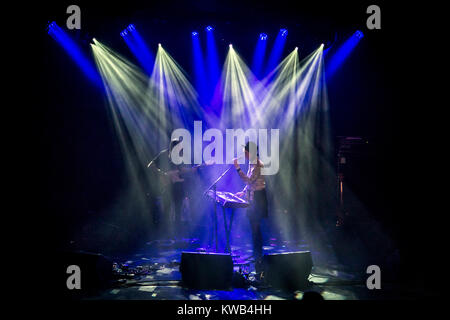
column 272, row 135
column 153, row 274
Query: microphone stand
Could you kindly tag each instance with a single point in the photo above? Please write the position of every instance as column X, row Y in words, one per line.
column 214, row 187
column 157, row 156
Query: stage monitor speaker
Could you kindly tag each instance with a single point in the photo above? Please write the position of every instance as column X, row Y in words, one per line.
column 201, row 270
column 289, row 270
column 95, row 271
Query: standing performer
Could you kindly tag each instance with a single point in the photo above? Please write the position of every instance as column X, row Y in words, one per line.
column 255, row 193
column 172, row 186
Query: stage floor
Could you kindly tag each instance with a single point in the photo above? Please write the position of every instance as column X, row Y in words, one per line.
column 153, row 274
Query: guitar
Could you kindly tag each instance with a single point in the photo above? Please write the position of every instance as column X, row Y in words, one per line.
column 170, row 177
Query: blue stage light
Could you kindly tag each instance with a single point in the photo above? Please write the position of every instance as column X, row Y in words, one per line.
column 212, row 65
column 137, row 45
column 75, row 52
column 277, row 51
column 201, row 81
column 258, row 55
column 50, row 26
column 342, row 53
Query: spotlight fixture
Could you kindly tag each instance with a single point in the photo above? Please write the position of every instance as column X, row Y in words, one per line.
column 159, row 44
column 209, row 28
column 131, row 27
column 359, row 34
column 283, row 32
column 230, row 45
column 296, row 48
column 125, row 31
column 263, row 36
column 74, row 49
column 51, row 24
column 194, row 33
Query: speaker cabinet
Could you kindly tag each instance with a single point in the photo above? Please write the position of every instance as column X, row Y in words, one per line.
column 289, row 270
column 95, row 270
column 206, row 270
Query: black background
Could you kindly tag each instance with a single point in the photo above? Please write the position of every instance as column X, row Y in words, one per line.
column 386, row 92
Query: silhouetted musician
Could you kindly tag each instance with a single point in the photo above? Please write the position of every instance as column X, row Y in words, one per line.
column 255, row 193
column 172, row 186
